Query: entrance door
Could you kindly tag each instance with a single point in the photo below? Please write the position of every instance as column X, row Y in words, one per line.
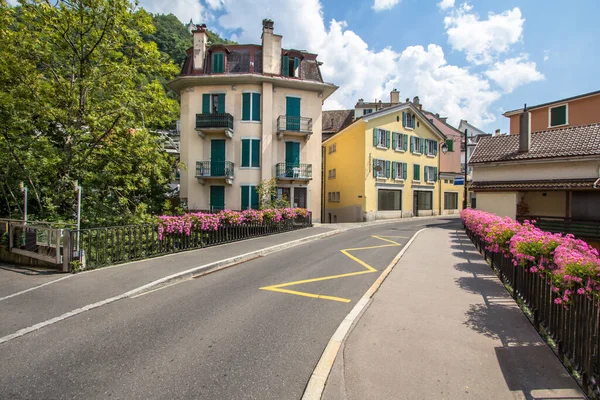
column 217, row 157
column 217, row 198
column 292, row 159
column 292, row 113
column 415, row 204
column 300, row 197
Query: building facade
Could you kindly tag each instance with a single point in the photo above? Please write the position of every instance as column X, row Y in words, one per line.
column 384, row 165
column 250, row 113
column 573, row 111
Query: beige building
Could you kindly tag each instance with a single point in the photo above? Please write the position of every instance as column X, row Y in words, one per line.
column 250, row 113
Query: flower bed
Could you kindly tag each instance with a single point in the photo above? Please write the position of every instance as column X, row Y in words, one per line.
column 204, row 222
column 570, row 264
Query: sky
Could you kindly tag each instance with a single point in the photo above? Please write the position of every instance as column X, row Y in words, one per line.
column 465, row 60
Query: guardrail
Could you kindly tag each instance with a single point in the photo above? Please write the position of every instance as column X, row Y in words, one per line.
column 582, row 228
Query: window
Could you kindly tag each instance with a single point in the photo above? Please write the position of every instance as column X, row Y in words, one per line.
column 331, row 173
column 399, row 170
column 250, row 153
column 381, row 168
column 558, row 115
column 399, row 141
column 249, row 197
column 333, row 197
column 430, row 147
column 381, row 138
column 367, row 111
column 450, row 144
column 213, row 103
column 218, row 63
column 450, row 201
column 250, row 106
column 430, row 174
column 332, row 148
column 417, row 145
column 389, row 200
column 424, row 200
column 290, row 66
column 408, row 120
column 416, row 172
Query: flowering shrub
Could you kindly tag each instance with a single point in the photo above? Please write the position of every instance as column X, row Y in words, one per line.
column 571, row 265
column 210, row 222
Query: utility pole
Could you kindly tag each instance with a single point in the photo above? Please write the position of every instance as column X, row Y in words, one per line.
column 24, row 190
column 79, row 190
column 465, row 202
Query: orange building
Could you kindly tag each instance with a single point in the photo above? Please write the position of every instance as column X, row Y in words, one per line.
column 574, row 111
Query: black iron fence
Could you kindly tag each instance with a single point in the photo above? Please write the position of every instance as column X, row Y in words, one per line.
column 97, row 247
column 293, row 171
column 217, row 120
column 294, row 124
column 575, row 329
column 214, row 169
column 582, row 228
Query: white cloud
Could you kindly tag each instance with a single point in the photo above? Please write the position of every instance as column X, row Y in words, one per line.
column 546, row 55
column 483, row 40
column 514, row 72
column 182, row 9
column 445, row 4
column 380, row 5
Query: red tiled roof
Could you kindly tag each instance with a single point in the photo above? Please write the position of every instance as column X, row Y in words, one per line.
column 572, row 141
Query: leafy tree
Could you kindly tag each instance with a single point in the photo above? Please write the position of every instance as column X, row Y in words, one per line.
column 267, row 195
column 76, row 104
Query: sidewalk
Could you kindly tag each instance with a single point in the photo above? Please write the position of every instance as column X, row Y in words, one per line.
column 442, row 327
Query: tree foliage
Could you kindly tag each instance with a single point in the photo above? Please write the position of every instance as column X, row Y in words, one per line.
column 77, row 100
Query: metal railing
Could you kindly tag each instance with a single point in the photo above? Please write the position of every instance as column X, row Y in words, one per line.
column 293, row 171
column 295, row 124
column 575, row 329
column 222, row 120
column 114, row 245
column 582, row 228
column 214, row 169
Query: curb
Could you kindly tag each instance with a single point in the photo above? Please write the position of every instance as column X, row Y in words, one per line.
column 318, row 379
column 190, row 273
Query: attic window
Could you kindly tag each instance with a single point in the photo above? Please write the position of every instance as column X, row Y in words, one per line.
column 290, row 66
column 408, row 120
column 558, row 116
column 218, row 63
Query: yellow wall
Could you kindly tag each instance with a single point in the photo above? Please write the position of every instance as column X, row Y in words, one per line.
column 552, row 204
column 450, row 187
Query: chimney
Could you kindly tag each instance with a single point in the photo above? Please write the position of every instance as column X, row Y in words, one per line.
column 416, row 100
column 394, row 97
column 524, row 135
column 200, row 39
column 271, row 48
column 497, row 132
column 443, row 119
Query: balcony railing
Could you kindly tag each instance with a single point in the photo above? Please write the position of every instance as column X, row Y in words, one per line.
column 222, row 122
column 214, row 169
column 293, row 171
column 300, row 126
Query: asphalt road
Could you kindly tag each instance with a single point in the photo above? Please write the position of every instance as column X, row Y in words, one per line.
column 215, row 337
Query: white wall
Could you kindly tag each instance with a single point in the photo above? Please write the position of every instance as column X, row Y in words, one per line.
column 503, row 204
column 533, row 171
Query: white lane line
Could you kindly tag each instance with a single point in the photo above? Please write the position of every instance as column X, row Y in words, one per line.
column 318, row 379
column 34, row 288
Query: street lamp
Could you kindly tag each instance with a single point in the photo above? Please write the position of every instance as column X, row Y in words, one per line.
column 444, row 147
column 24, row 190
column 79, row 190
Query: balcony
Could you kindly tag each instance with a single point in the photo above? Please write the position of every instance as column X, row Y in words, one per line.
column 293, row 172
column 294, row 126
column 214, row 170
column 214, row 123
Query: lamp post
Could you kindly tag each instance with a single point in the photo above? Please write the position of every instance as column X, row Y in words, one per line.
column 465, row 181
column 24, row 190
column 79, row 190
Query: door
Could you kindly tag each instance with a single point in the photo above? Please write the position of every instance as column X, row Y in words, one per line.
column 218, row 103
column 217, row 157
column 300, row 197
column 292, row 113
column 415, row 204
column 292, row 159
column 217, row 198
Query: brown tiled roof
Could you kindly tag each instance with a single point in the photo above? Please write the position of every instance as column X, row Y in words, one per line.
column 572, row 141
column 550, row 184
column 334, row 121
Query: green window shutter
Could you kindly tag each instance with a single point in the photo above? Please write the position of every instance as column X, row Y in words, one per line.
column 374, row 165
column 253, row 198
column 375, row 136
column 450, row 144
column 285, row 66
column 394, row 140
column 412, row 144
column 255, row 153
column 558, row 115
column 404, row 119
column 416, row 172
column 435, row 174
column 435, row 148
column 221, row 103
column 206, row 103
column 296, row 67
column 394, row 170
column 405, row 139
column 245, row 197
column 246, row 106
column 426, row 173
column 245, row 152
column 255, row 106
column 422, row 146
column 405, row 171
column 387, row 169
column 218, row 63
column 387, row 139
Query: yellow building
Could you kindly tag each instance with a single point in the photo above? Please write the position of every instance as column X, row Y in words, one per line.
column 385, row 165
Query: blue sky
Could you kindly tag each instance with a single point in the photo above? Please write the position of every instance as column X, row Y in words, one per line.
column 470, row 60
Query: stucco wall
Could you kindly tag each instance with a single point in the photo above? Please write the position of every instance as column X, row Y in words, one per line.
column 552, row 204
column 503, row 204
column 539, row 170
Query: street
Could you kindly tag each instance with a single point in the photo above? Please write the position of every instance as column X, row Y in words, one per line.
column 251, row 331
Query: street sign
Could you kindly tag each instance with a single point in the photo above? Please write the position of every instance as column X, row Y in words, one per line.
column 459, row 181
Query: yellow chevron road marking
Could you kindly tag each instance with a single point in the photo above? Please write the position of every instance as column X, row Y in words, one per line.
column 368, row 269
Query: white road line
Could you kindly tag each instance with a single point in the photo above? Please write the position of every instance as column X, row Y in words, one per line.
column 34, row 288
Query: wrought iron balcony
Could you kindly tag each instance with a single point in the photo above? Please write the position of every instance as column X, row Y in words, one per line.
column 294, row 172
column 294, row 126
column 214, row 123
column 206, row 170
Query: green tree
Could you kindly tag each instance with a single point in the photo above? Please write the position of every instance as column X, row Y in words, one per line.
column 76, row 104
column 171, row 37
